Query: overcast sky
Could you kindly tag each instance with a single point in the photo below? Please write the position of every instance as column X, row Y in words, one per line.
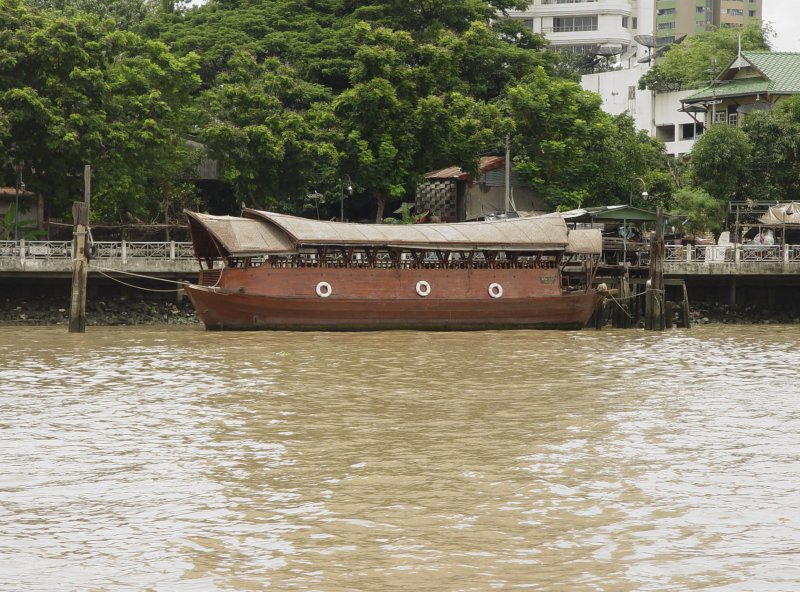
column 785, row 18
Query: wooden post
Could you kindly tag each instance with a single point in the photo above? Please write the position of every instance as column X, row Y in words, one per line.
column 80, row 265
column 687, row 318
column 654, row 315
column 77, row 308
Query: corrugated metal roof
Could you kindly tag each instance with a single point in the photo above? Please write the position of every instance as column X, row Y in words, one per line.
column 614, row 213
column 521, row 234
column 487, row 163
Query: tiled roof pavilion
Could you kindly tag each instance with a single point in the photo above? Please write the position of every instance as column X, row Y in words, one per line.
column 754, row 73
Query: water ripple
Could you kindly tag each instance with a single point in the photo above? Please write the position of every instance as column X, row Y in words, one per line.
column 142, row 458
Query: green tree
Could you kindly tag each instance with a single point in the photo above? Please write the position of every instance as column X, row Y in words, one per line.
column 398, row 121
column 560, row 135
column 262, row 125
column 630, row 162
column 721, row 161
column 76, row 90
column 126, row 13
column 775, row 138
column 703, row 211
column 702, row 57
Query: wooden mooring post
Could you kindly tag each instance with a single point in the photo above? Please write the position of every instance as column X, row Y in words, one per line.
column 80, row 265
column 654, row 295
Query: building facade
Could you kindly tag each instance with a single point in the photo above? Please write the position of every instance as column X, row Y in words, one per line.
column 584, row 26
column 676, row 18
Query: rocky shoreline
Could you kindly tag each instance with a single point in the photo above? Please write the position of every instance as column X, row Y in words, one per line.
column 714, row 313
column 121, row 310
column 126, row 310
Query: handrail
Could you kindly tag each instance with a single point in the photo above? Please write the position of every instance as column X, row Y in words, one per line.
column 106, row 250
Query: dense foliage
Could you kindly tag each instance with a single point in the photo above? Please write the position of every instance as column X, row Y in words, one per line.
column 699, row 59
column 292, row 97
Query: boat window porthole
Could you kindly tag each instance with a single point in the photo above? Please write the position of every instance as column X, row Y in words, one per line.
column 423, row 288
column 324, row 289
column 495, row 290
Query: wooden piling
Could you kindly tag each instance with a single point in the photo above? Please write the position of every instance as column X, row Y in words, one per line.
column 80, row 272
column 80, row 265
column 685, row 313
column 654, row 302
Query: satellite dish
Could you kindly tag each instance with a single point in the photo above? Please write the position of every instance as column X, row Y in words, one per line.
column 608, row 50
column 646, row 40
column 644, row 60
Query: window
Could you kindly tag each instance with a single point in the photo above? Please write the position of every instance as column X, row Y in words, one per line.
column 665, row 133
column 635, row 23
column 624, row 22
column 665, row 11
column 689, row 131
column 665, row 26
column 734, row 11
column 720, row 117
column 701, row 9
column 631, row 93
column 568, row 24
column 751, row 13
column 733, row 119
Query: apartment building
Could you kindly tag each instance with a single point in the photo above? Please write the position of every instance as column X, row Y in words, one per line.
column 583, row 26
column 675, row 18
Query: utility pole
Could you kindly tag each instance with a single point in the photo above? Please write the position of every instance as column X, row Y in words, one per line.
column 508, row 174
column 80, row 263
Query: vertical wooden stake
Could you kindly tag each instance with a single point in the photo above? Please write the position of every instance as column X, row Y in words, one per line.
column 77, row 308
column 80, row 265
column 685, row 313
column 654, row 315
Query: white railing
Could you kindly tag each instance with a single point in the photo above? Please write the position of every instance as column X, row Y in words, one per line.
column 123, row 250
column 712, row 254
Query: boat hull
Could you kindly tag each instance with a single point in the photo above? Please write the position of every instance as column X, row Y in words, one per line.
column 369, row 300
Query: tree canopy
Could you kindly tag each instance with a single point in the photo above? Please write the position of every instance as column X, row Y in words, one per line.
column 293, row 96
column 702, row 57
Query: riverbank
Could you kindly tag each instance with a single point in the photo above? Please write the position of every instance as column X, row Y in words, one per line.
column 714, row 313
column 121, row 310
column 143, row 310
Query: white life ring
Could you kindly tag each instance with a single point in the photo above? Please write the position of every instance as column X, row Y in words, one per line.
column 324, row 289
column 423, row 288
column 495, row 290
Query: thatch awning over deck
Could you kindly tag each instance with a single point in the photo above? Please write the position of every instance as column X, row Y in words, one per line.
column 517, row 234
column 266, row 233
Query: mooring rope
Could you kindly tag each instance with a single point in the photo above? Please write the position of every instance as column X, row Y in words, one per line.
column 148, row 277
column 101, row 271
column 119, row 281
column 617, row 300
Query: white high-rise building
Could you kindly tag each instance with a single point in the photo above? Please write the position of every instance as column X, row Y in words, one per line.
column 584, row 26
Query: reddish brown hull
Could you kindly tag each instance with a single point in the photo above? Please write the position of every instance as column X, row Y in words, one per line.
column 363, row 299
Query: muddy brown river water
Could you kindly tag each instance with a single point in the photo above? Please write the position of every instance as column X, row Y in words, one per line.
column 174, row 459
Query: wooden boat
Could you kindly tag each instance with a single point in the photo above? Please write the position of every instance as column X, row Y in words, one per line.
column 264, row 270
